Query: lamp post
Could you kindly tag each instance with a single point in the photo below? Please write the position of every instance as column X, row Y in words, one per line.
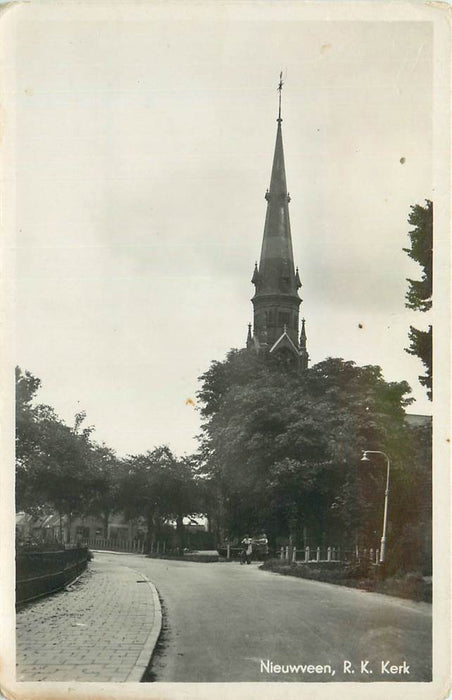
column 365, row 458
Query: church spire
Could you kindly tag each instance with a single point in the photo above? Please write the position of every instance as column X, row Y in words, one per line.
column 276, row 301
column 276, row 267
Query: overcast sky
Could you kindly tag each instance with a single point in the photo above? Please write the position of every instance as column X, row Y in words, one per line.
column 144, row 144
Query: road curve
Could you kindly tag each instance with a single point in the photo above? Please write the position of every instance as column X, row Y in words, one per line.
column 226, row 622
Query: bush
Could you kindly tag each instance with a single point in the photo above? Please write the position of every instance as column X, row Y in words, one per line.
column 412, row 586
column 358, row 569
column 364, row 575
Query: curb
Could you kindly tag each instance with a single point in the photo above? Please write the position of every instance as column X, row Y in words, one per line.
column 142, row 663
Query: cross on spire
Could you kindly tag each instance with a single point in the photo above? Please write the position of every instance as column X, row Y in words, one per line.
column 280, row 86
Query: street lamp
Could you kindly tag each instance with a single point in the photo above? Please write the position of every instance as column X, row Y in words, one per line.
column 365, row 458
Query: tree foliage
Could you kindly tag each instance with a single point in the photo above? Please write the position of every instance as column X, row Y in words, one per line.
column 105, row 484
column 421, row 345
column 283, row 448
column 419, row 294
column 61, row 468
column 158, row 487
column 58, row 467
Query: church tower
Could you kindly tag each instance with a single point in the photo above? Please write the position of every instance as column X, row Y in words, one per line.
column 276, row 301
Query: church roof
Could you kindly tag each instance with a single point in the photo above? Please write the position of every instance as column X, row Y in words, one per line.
column 276, row 267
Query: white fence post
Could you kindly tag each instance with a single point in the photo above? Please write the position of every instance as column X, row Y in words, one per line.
column 228, row 551
column 306, row 553
column 318, row 553
column 294, row 555
column 328, row 554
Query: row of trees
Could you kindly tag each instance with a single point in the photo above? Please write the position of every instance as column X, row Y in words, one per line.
column 280, row 453
column 60, row 468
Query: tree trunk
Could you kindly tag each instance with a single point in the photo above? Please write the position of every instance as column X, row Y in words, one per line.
column 180, row 533
column 106, row 519
column 155, row 528
column 150, row 531
column 68, row 528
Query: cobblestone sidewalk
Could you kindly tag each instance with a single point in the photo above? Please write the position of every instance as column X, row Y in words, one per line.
column 103, row 628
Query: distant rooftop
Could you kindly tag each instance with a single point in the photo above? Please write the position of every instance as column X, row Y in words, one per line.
column 416, row 419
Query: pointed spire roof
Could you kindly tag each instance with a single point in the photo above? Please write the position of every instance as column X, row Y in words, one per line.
column 249, row 339
column 303, row 335
column 255, row 278
column 297, row 279
column 304, row 355
column 276, row 266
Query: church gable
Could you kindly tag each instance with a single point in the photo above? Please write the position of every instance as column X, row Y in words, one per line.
column 284, row 343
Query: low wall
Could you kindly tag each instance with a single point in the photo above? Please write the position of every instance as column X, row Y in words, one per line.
column 41, row 572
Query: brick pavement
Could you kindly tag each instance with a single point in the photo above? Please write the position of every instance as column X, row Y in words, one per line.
column 103, row 628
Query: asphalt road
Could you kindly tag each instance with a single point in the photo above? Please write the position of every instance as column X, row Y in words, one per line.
column 226, row 622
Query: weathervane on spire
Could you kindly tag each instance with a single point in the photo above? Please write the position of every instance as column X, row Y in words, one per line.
column 280, row 86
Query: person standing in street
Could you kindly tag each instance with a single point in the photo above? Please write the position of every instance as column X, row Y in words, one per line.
column 247, row 551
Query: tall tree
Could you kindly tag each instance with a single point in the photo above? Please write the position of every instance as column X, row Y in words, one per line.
column 105, row 484
column 419, row 294
column 158, row 487
column 58, row 467
column 284, row 447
